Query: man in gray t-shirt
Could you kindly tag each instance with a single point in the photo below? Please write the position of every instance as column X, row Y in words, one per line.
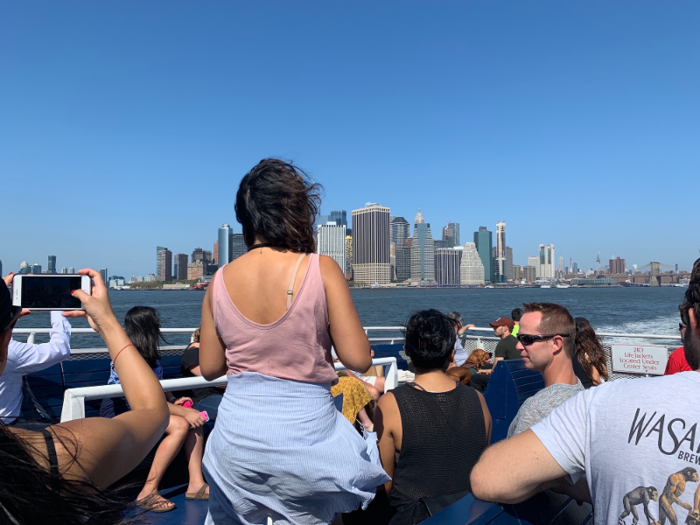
column 546, row 344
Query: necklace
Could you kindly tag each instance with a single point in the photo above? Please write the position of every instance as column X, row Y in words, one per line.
column 259, row 245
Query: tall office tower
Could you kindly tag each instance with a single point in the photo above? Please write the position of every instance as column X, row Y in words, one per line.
column 483, row 240
column 339, row 217
column 422, row 252
column 509, row 263
column 195, row 270
column 238, row 246
column 529, row 274
column 71, row 270
column 25, row 268
column 52, row 264
column 546, row 261
column 200, row 255
column 164, row 264
column 561, row 266
column 471, row 269
column 447, row 265
column 321, row 219
column 400, row 231
column 500, row 275
column 517, row 273
column 455, row 233
column 617, row 265
column 448, row 238
column 370, row 242
column 535, row 263
column 348, row 255
column 331, row 242
column 215, row 254
column 180, row 266
column 224, row 248
column 403, row 260
column 103, row 273
column 64, row 270
column 36, row 268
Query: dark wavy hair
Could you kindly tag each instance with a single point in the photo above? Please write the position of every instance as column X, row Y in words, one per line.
column 277, row 202
column 691, row 299
column 142, row 326
column 430, row 339
column 516, row 314
column 29, row 493
column 588, row 343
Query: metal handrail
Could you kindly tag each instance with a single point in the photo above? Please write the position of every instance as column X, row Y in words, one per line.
column 74, row 398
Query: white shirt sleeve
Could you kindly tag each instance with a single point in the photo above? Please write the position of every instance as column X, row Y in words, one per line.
column 564, row 431
column 27, row 358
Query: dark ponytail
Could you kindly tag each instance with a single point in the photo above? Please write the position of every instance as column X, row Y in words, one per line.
column 142, row 326
column 588, row 343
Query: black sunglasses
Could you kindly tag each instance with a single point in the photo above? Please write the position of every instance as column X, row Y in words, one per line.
column 14, row 315
column 527, row 339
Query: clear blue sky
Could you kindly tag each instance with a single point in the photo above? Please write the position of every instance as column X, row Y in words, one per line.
column 126, row 125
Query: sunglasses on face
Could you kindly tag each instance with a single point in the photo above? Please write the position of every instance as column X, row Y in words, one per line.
column 527, row 339
column 14, row 315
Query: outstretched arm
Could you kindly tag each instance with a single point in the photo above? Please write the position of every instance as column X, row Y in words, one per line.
column 30, row 358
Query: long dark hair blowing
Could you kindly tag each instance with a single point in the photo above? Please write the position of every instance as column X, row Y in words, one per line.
column 587, row 342
column 142, row 326
column 277, row 203
column 29, row 493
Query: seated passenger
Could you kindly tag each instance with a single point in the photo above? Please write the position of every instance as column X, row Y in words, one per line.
column 546, row 344
column 62, row 474
column 590, row 362
column 438, row 427
column 460, row 328
column 505, row 349
column 356, row 400
column 142, row 325
column 207, row 398
column 515, row 315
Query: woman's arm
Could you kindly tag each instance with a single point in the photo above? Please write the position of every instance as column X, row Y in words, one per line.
column 107, row 449
column 487, row 417
column 212, row 356
column 386, row 414
column 349, row 338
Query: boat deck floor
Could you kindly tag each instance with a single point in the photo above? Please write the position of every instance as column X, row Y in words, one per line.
column 187, row 512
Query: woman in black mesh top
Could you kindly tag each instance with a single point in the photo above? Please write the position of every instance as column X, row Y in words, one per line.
column 438, row 427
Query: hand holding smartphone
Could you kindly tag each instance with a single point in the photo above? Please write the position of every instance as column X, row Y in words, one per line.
column 49, row 292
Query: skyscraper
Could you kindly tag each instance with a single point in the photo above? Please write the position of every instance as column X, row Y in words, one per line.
column 339, row 217
column 422, row 252
column 400, row 231
column 215, row 253
column 448, row 238
column 500, row 274
column 348, row 255
column 483, row 240
column 52, row 264
column 104, row 274
column 447, row 266
column 71, row 270
column 200, row 255
column 331, row 242
column 370, row 240
column 164, row 264
column 36, row 268
column 617, row 266
column 455, row 232
column 63, row 270
column 403, row 260
column 471, row 270
column 561, row 266
column 238, row 246
column 509, row 264
column 180, row 266
column 546, row 261
column 224, row 248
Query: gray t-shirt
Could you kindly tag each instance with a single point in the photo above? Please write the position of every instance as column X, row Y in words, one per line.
column 634, row 440
column 534, row 409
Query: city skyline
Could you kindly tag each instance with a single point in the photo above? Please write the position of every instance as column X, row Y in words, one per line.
column 557, row 119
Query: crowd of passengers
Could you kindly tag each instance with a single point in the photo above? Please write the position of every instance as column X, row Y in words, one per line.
column 273, row 321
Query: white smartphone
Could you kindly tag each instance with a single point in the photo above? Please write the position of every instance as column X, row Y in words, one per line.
column 49, row 292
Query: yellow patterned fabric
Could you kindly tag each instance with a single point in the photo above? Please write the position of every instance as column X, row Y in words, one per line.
column 355, row 396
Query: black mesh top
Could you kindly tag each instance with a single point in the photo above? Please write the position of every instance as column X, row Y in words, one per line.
column 443, row 436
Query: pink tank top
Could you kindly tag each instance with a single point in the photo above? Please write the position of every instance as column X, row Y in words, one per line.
column 297, row 346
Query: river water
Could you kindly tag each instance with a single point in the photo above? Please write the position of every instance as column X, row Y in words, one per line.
column 622, row 310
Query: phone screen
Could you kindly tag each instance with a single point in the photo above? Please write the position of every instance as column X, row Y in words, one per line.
column 50, row 292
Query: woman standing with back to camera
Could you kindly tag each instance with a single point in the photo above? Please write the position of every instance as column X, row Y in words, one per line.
column 279, row 448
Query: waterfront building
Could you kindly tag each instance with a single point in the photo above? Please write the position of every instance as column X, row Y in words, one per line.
column 535, row 263
column 331, row 242
column 104, row 274
column 546, row 261
column 164, row 264
column 224, row 247
column 617, row 266
column 238, row 246
column 71, row 270
column 370, row 244
column 529, row 274
column 517, row 273
column 348, row 254
column 215, row 254
column 180, row 273
column 471, row 268
column 509, row 263
column 36, row 268
column 64, row 270
column 448, row 240
column 195, row 270
column 339, row 217
column 447, row 266
column 400, row 231
column 422, row 251
column 483, row 240
column 403, row 260
column 562, row 269
column 52, row 264
column 499, row 273
column 200, row 255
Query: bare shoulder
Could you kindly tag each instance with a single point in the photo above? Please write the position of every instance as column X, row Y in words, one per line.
column 329, row 267
column 387, row 403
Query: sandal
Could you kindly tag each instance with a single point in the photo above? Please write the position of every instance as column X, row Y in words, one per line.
column 153, row 504
column 201, row 494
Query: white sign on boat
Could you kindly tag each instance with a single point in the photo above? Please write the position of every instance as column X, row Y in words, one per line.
column 636, row 359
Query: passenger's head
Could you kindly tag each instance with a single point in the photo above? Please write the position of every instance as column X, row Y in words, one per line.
column 8, row 317
column 690, row 315
column 502, row 326
column 516, row 314
column 430, row 339
column 547, row 333
column 142, row 326
column 277, row 204
column 196, row 335
column 456, row 319
column 589, row 350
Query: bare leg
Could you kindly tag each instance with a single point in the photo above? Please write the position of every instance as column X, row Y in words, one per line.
column 365, row 420
column 194, row 450
column 175, row 435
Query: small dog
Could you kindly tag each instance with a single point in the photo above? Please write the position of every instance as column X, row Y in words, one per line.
column 475, row 361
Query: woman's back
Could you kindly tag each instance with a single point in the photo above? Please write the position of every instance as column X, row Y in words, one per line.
column 443, row 435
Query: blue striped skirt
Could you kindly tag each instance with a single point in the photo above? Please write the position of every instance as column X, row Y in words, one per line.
column 280, row 449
